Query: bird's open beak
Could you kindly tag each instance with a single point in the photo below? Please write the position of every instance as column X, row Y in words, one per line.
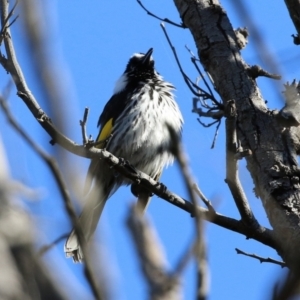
column 147, row 57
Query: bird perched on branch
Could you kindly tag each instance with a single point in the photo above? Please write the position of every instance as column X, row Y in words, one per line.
column 136, row 125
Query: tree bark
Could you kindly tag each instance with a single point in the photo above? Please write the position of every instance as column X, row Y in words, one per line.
column 273, row 163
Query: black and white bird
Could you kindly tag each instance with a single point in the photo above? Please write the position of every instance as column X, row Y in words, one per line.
column 134, row 125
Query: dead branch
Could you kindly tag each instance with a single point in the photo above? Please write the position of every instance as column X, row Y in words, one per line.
column 207, row 203
column 161, row 19
column 262, row 259
column 82, row 123
column 194, row 88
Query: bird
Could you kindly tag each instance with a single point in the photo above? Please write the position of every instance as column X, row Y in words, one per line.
column 137, row 124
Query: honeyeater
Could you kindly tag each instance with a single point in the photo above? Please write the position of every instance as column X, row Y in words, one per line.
column 135, row 125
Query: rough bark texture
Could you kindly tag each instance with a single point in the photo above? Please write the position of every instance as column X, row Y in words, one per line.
column 273, row 163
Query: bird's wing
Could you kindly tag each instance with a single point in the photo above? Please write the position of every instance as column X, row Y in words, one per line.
column 112, row 110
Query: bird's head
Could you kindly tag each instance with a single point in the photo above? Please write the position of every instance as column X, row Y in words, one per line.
column 141, row 66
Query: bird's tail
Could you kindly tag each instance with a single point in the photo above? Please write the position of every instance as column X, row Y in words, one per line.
column 88, row 221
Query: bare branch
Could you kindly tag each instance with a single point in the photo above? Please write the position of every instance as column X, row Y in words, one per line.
column 204, row 199
column 83, row 126
column 194, row 60
column 156, row 17
column 192, row 86
column 6, row 23
column 208, row 114
column 216, row 135
column 262, row 259
column 209, row 124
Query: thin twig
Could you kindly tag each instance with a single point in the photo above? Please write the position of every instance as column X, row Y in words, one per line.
column 208, row 114
column 216, row 135
column 204, row 199
column 191, row 85
column 262, row 259
column 6, row 23
column 194, row 59
column 156, row 17
column 209, row 124
column 83, row 126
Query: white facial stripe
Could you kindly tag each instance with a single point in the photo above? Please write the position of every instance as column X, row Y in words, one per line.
column 121, row 84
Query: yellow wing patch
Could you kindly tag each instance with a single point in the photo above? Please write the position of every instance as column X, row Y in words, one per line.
column 105, row 133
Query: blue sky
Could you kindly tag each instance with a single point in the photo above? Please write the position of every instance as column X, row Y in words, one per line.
column 90, row 43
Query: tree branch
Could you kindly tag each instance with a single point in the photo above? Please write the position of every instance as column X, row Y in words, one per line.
column 156, row 17
column 262, row 259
